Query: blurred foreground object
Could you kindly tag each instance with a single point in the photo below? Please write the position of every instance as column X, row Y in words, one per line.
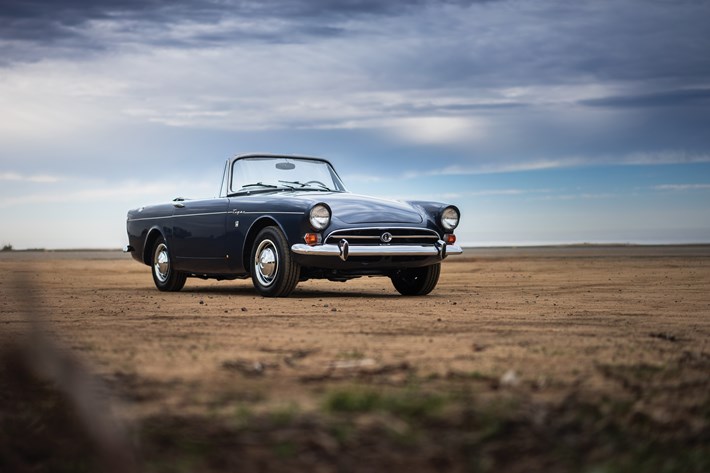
column 52, row 416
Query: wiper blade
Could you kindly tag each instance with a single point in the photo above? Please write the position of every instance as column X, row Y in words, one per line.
column 260, row 184
column 323, row 187
column 307, row 185
column 298, row 183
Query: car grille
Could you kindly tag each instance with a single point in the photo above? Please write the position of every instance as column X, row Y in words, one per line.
column 373, row 236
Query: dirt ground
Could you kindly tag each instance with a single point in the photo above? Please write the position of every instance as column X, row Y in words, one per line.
column 550, row 359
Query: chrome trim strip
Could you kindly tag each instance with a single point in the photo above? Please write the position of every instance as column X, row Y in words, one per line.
column 359, row 237
column 209, row 213
column 377, row 238
column 381, row 250
column 183, row 215
column 148, row 218
column 385, row 229
column 200, row 214
column 415, row 236
column 280, row 213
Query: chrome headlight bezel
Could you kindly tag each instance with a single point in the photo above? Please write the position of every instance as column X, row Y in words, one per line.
column 449, row 218
column 319, row 217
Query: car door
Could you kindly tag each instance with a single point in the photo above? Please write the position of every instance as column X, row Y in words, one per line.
column 199, row 236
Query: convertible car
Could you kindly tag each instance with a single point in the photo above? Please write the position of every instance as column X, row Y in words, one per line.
column 285, row 219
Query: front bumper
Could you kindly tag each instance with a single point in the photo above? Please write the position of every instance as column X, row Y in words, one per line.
column 344, row 250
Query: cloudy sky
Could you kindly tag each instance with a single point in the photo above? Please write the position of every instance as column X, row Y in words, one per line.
column 545, row 121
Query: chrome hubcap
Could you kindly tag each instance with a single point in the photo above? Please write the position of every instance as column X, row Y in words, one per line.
column 161, row 262
column 266, row 262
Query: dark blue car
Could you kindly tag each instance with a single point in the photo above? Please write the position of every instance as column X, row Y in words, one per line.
column 285, row 219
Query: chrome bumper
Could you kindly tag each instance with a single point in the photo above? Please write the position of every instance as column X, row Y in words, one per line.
column 344, row 250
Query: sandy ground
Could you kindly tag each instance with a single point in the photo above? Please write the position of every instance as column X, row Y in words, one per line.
column 538, row 326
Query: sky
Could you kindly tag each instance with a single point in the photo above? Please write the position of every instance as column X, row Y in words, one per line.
column 544, row 121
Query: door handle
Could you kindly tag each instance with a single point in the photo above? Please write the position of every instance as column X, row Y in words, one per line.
column 178, row 205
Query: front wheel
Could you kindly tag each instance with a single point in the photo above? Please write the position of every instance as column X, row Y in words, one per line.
column 416, row 281
column 273, row 270
column 164, row 276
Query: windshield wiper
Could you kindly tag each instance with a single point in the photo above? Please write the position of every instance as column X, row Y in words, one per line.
column 265, row 187
column 260, row 184
column 320, row 185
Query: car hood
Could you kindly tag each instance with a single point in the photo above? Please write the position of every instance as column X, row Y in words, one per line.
column 361, row 209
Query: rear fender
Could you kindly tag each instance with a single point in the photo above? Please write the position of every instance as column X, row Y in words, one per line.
column 153, row 234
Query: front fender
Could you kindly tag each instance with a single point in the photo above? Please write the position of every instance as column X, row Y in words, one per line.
column 432, row 211
column 291, row 225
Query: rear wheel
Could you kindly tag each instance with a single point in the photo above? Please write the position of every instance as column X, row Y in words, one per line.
column 164, row 276
column 273, row 270
column 416, row 281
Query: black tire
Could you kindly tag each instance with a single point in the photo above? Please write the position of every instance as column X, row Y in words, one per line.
column 164, row 276
column 416, row 281
column 273, row 270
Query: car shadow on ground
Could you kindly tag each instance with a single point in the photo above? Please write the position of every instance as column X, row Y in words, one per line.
column 230, row 290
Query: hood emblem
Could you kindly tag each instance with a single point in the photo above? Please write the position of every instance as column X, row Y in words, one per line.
column 386, row 237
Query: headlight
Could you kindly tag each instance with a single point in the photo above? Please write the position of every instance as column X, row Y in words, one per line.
column 449, row 218
column 319, row 217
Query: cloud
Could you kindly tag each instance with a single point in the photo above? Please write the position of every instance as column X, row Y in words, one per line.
column 495, row 168
column 305, row 64
column 469, row 196
column 482, row 43
column 664, row 157
column 403, row 89
column 33, row 29
column 488, row 193
column 366, row 178
column 673, row 98
column 579, row 196
column 424, row 129
column 633, row 159
column 37, row 178
column 681, row 187
column 93, row 191
column 461, row 87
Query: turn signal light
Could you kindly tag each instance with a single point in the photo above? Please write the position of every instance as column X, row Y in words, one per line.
column 312, row 238
column 450, row 238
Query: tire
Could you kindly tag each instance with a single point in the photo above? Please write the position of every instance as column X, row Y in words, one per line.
column 416, row 281
column 273, row 270
column 164, row 276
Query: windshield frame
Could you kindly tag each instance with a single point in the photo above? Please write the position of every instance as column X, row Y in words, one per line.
column 340, row 187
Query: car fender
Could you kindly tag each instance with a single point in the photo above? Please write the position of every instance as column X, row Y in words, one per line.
column 256, row 226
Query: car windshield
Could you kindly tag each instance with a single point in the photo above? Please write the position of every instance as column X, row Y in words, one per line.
column 253, row 174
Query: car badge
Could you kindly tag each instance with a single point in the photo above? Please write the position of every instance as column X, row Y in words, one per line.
column 386, row 237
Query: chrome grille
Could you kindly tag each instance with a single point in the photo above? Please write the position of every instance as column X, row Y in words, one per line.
column 373, row 236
